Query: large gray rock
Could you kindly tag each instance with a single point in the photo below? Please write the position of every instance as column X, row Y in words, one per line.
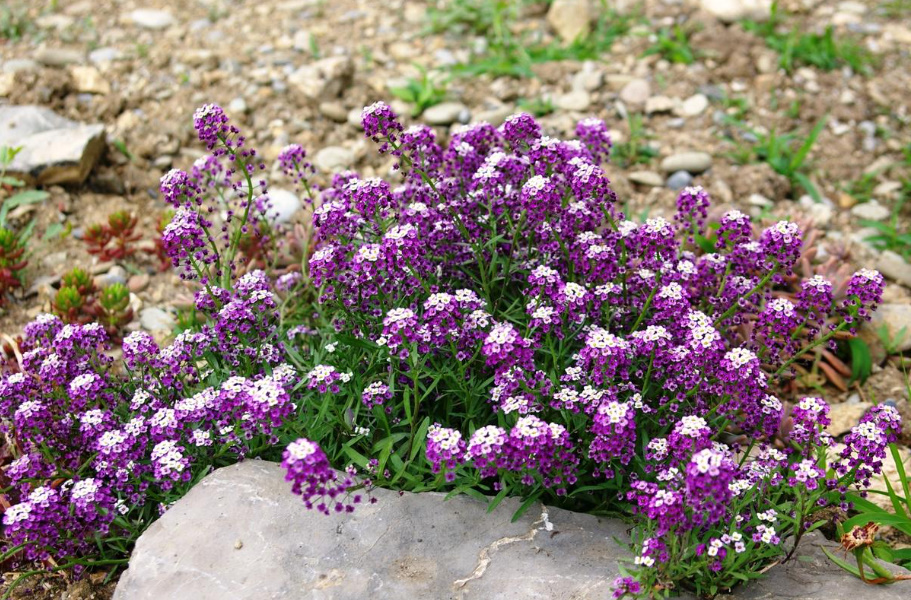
column 54, row 149
column 240, row 534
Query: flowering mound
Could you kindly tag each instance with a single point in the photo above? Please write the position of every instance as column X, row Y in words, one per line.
column 501, row 301
column 496, row 325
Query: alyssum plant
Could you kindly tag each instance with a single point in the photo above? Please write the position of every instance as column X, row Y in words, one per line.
column 498, row 327
column 499, row 308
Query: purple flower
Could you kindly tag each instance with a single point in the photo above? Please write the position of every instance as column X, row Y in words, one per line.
column 313, row 479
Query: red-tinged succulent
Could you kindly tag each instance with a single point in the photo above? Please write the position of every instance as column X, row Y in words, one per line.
column 70, row 305
column 113, row 240
column 11, row 262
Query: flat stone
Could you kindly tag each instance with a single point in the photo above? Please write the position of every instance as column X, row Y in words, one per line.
column 636, row 92
column 446, row 113
column 332, row 159
column 649, row 178
column 154, row 318
column 241, row 534
column 494, row 116
column 679, row 180
column 893, row 266
column 760, row 200
column 55, row 150
column 284, row 204
column 115, row 274
column 887, row 189
column 659, row 104
column 58, row 57
column 101, row 56
column 590, row 81
column 238, row 106
column 617, row 81
column 151, row 19
column 354, row 117
column 570, row 19
column 89, row 80
column 577, row 100
column 20, row 64
column 694, row 106
column 820, row 213
column 895, row 318
column 336, row 112
column 844, row 416
column 691, row 162
column 729, row 11
column 323, row 79
column 871, row 211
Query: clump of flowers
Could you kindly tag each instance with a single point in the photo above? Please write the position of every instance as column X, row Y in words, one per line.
column 498, row 324
column 501, row 309
column 92, row 443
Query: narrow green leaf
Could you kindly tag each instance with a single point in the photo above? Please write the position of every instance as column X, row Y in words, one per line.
column 800, row 157
column 419, row 438
column 526, row 505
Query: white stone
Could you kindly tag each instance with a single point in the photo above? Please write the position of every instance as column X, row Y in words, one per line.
column 446, row 113
column 896, row 318
column 649, row 178
column 729, row 11
column 151, row 19
column 871, row 211
column 659, row 104
column 570, row 19
column 154, row 318
column 332, row 159
column 578, row 100
column 691, row 162
column 893, row 266
column 323, row 79
column 694, row 105
column 89, row 80
column 636, row 91
column 283, row 205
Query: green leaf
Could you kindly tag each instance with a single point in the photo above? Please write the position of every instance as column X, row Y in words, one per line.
column 8, row 153
column 20, row 199
column 354, row 342
column 861, row 360
column 899, row 522
column 495, row 501
column 523, row 508
column 806, row 184
column 852, row 569
column 902, row 474
column 356, row 457
column 799, row 158
column 419, row 438
column 53, row 230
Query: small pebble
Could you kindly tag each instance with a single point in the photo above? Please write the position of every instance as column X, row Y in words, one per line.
column 679, row 180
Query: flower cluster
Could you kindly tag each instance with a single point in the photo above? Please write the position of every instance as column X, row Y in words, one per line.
column 91, row 441
column 549, row 343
